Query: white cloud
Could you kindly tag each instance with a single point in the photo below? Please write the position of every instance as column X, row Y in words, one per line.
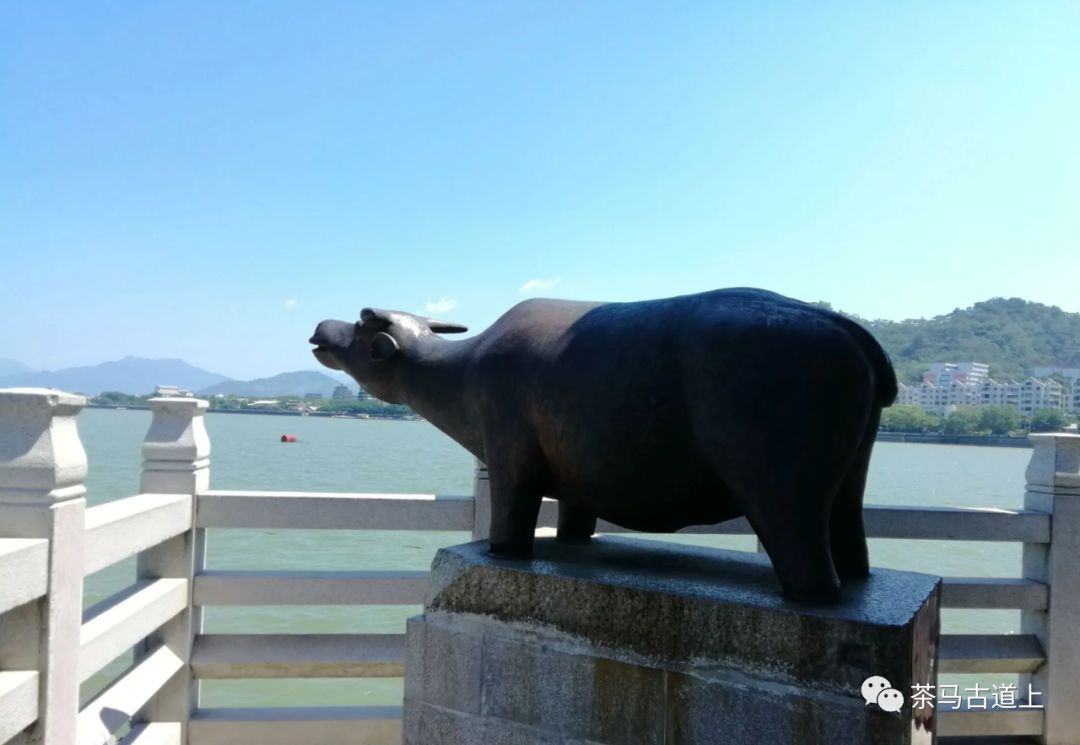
column 539, row 284
column 290, row 304
column 442, row 305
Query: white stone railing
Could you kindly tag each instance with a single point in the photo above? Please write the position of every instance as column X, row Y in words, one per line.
column 49, row 541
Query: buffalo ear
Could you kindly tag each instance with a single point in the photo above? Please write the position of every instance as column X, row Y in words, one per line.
column 374, row 318
column 445, row 327
column 383, row 347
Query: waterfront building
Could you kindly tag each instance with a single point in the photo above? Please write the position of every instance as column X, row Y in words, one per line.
column 996, row 393
column 908, row 395
column 310, row 396
column 1072, row 373
column 172, row 391
column 945, row 386
column 945, row 373
column 940, row 400
column 1042, row 394
column 949, row 386
column 1070, row 392
column 342, row 391
column 363, row 395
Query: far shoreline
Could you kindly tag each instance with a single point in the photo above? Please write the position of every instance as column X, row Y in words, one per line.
column 910, row 438
column 269, row 412
column 922, row 438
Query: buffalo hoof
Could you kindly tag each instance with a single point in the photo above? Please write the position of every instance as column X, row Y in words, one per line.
column 510, row 551
column 562, row 537
column 830, row 597
column 852, row 572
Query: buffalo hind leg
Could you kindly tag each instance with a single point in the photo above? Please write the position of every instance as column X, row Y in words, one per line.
column 847, row 532
column 797, row 543
column 575, row 524
column 786, row 486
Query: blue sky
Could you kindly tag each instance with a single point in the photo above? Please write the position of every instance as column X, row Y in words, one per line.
column 208, row 180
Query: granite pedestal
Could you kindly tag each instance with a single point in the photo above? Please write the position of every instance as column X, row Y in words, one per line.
column 634, row 641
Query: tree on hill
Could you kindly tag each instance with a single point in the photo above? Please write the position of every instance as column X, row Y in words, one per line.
column 1010, row 335
column 370, row 406
column 908, row 418
column 999, row 420
column 111, row 398
column 291, row 384
column 1061, row 380
column 1048, row 420
column 964, row 420
column 229, row 403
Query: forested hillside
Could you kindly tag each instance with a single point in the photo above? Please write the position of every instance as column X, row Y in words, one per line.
column 1008, row 334
column 286, row 384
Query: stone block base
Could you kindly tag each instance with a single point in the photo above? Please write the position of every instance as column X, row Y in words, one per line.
column 627, row 641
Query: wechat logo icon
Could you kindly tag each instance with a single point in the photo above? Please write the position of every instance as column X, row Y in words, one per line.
column 877, row 690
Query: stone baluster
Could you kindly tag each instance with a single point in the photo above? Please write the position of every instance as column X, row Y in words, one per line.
column 176, row 460
column 176, row 450
column 42, row 470
column 482, row 502
column 1053, row 486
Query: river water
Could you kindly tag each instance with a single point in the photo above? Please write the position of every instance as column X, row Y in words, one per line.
column 347, row 455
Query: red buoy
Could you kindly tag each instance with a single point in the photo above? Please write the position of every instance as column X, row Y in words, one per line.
column 288, row 438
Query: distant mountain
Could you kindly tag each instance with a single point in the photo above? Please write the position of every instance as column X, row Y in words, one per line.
column 11, row 367
column 285, row 384
column 1011, row 335
column 343, row 378
column 132, row 375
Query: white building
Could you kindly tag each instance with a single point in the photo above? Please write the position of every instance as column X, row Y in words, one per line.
column 1072, row 373
column 343, row 392
column 939, row 400
column 1071, row 393
column 171, row 391
column 1000, row 394
column 944, row 373
column 950, row 384
column 1043, row 394
column 907, row 395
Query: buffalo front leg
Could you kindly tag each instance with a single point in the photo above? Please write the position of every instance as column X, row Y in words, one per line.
column 515, row 507
column 575, row 524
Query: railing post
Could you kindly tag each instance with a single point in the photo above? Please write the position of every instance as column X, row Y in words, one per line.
column 176, row 460
column 481, row 503
column 1053, row 485
column 42, row 469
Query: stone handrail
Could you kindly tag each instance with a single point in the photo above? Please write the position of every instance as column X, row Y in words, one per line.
column 49, row 541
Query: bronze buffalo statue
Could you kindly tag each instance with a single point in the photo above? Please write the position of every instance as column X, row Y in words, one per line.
column 653, row 415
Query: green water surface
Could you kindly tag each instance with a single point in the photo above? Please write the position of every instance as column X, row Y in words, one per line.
column 344, row 455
